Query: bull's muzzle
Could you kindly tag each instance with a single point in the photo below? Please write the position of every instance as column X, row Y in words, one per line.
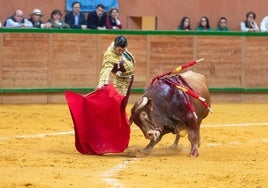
column 153, row 135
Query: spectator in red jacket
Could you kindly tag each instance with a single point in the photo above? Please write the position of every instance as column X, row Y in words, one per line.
column 112, row 21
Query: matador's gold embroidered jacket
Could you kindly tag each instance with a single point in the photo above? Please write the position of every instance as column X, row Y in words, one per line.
column 112, row 63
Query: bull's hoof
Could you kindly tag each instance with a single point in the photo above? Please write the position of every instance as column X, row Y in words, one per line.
column 194, row 154
column 139, row 153
column 145, row 151
column 173, row 146
column 135, row 153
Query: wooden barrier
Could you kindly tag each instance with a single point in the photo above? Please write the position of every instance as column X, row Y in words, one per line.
column 35, row 58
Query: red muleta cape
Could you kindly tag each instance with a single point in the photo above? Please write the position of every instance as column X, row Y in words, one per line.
column 100, row 121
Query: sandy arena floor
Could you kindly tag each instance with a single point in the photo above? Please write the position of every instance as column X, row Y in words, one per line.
column 37, row 150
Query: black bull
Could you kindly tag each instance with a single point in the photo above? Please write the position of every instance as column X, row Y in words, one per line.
column 163, row 108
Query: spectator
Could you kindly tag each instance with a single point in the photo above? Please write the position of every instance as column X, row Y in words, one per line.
column 75, row 18
column 185, row 24
column 18, row 21
column 97, row 18
column 264, row 24
column 112, row 21
column 56, row 20
column 36, row 16
column 222, row 25
column 119, row 61
column 204, row 24
column 249, row 25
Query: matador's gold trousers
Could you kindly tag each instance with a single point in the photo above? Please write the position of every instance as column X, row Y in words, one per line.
column 122, row 84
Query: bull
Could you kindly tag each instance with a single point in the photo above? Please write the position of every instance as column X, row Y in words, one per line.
column 163, row 108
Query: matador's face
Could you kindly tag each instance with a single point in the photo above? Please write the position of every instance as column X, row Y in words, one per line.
column 119, row 50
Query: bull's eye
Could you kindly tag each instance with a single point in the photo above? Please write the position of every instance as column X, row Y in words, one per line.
column 143, row 115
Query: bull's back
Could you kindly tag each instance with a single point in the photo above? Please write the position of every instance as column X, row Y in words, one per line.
column 196, row 80
column 198, row 83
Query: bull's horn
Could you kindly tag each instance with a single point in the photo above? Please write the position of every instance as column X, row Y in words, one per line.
column 143, row 103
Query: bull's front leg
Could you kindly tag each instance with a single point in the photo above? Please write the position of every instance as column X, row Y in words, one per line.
column 147, row 150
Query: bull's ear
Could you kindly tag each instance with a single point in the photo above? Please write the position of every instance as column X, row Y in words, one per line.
column 150, row 104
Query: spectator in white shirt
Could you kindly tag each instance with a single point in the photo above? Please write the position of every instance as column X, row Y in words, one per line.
column 18, row 21
column 249, row 25
column 264, row 24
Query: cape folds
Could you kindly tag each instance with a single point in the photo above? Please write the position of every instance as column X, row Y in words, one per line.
column 100, row 121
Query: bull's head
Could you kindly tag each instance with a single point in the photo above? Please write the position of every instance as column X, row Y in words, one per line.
column 142, row 116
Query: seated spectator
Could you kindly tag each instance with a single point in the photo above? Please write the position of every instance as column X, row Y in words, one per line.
column 56, row 20
column 112, row 21
column 204, row 24
column 18, row 21
column 222, row 25
column 36, row 16
column 75, row 18
column 97, row 18
column 185, row 24
column 249, row 25
column 264, row 24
